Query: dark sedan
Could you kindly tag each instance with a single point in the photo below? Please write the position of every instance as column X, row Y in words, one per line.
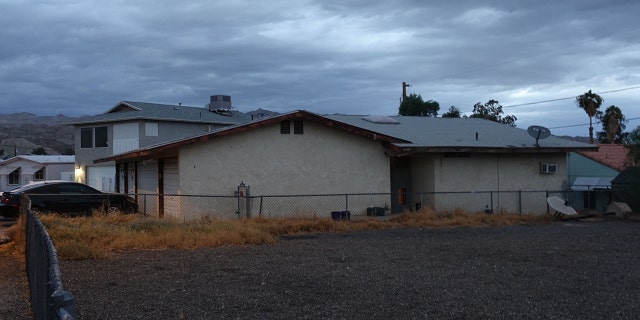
column 64, row 197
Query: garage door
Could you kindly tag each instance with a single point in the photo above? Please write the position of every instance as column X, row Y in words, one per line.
column 102, row 178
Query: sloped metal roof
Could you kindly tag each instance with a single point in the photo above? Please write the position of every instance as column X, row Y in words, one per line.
column 130, row 110
column 416, row 134
column 437, row 133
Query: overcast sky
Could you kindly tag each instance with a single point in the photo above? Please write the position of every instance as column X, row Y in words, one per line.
column 83, row 57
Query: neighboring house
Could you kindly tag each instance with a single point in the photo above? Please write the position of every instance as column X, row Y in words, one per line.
column 626, row 187
column 131, row 125
column 21, row 170
column 590, row 175
column 411, row 160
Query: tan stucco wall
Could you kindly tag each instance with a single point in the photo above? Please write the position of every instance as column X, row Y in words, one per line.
column 323, row 160
column 483, row 172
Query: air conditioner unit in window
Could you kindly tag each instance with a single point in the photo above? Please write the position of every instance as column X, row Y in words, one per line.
column 548, row 168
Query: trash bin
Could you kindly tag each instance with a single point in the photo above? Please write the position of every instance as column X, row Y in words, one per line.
column 341, row 215
column 375, row 211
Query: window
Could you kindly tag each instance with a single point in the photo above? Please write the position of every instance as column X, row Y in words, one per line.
column 39, row 175
column 101, row 137
column 548, row 168
column 297, row 127
column 285, row 127
column 14, row 177
column 86, row 138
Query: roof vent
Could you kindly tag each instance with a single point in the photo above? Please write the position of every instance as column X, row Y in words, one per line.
column 220, row 104
column 381, row 119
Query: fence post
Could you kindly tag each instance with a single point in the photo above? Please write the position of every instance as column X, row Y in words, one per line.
column 63, row 303
column 520, row 201
column 346, row 202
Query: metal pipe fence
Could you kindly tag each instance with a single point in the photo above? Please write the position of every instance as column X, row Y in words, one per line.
column 49, row 300
column 195, row 207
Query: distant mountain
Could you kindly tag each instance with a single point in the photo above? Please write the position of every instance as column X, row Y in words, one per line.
column 21, row 133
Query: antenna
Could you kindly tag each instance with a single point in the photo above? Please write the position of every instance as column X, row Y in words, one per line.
column 560, row 206
column 538, row 132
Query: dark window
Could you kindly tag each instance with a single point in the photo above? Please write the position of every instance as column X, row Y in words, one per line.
column 14, row 177
column 285, row 127
column 226, row 98
column 297, row 127
column 101, row 137
column 86, row 138
column 39, row 175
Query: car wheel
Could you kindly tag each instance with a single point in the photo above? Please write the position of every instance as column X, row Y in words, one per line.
column 111, row 210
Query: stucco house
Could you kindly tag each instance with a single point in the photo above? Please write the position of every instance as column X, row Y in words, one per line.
column 131, row 125
column 21, row 170
column 590, row 175
column 407, row 162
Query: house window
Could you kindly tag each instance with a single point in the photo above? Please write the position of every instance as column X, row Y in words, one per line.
column 39, row 175
column 14, row 177
column 101, row 137
column 86, row 138
column 285, row 127
column 548, row 167
column 297, row 127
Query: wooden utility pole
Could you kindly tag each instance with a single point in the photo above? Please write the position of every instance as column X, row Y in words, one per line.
column 404, row 90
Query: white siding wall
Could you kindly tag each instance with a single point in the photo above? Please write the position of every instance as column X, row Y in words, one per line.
column 171, row 180
column 148, row 187
column 126, row 137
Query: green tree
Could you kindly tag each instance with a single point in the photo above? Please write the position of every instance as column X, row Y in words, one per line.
column 632, row 142
column 492, row 110
column 613, row 125
column 413, row 105
column 590, row 103
column 452, row 113
column 39, row 151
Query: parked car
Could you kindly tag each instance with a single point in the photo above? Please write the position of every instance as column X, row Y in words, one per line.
column 65, row 197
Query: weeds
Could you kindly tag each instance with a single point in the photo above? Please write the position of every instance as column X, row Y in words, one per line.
column 98, row 236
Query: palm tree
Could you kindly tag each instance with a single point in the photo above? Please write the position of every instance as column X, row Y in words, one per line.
column 589, row 102
column 612, row 123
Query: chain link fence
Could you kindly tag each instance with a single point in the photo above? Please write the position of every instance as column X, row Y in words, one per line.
column 195, row 207
column 48, row 298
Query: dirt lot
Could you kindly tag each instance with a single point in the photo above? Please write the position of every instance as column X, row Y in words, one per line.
column 565, row 270
column 579, row 270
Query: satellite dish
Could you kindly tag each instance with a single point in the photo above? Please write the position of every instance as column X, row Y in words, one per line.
column 538, row 132
column 560, row 206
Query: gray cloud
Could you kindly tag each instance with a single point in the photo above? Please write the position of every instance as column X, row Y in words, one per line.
column 82, row 57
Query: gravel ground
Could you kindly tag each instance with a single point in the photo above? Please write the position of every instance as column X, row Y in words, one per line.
column 565, row 270
column 14, row 300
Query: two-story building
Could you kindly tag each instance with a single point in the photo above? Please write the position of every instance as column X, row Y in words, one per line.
column 132, row 125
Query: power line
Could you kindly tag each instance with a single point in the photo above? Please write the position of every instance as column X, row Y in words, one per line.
column 568, row 98
column 585, row 124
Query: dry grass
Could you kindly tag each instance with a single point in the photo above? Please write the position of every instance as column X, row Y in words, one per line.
column 99, row 236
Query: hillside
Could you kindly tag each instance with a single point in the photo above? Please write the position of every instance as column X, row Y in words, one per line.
column 23, row 132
